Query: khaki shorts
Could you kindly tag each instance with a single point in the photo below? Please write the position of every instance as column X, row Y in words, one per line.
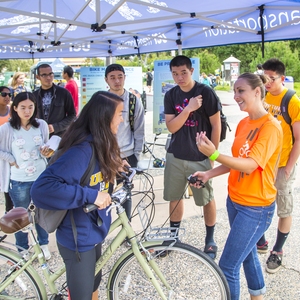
column 175, row 180
column 284, row 197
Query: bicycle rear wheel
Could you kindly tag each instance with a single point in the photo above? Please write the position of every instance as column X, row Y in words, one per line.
column 190, row 273
column 24, row 287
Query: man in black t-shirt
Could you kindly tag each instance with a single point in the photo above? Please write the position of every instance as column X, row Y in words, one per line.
column 190, row 107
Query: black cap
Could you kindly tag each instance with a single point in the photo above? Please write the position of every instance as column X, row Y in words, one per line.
column 114, row 67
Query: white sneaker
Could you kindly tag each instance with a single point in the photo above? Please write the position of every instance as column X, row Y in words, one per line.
column 46, row 251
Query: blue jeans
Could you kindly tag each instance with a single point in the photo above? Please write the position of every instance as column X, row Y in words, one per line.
column 20, row 195
column 247, row 225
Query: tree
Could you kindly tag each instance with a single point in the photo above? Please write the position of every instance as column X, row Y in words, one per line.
column 15, row 65
column 94, row 61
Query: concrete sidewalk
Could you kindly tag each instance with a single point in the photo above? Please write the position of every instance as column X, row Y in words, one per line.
column 283, row 285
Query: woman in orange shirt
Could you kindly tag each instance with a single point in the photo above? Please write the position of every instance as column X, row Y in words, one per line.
column 251, row 190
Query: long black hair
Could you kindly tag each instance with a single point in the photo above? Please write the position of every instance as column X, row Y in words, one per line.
column 15, row 120
column 95, row 119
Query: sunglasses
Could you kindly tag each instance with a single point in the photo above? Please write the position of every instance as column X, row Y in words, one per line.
column 3, row 94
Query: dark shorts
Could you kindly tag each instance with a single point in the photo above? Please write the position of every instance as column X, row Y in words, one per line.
column 81, row 278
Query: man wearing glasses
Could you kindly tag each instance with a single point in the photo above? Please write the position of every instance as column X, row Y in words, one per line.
column 275, row 69
column 55, row 104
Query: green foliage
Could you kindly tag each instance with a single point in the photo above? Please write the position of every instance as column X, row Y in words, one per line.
column 211, row 58
column 15, row 65
column 223, row 88
column 95, row 61
column 297, row 88
column 246, row 53
column 209, row 62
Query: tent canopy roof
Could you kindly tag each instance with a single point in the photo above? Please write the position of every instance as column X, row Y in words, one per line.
column 90, row 28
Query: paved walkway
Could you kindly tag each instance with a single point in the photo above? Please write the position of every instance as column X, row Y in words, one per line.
column 283, row 285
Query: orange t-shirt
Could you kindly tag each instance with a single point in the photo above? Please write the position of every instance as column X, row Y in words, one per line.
column 4, row 119
column 262, row 141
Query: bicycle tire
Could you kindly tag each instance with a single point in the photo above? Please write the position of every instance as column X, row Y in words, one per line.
column 26, row 279
column 191, row 273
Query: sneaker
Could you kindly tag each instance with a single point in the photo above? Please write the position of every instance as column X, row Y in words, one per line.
column 263, row 249
column 274, row 262
column 46, row 251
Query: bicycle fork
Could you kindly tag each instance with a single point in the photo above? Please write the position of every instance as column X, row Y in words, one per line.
column 145, row 261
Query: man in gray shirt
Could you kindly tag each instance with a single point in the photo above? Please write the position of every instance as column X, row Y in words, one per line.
column 131, row 133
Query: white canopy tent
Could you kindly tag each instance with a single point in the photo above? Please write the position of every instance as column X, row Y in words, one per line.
column 89, row 28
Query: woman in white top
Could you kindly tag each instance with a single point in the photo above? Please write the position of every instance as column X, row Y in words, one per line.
column 22, row 158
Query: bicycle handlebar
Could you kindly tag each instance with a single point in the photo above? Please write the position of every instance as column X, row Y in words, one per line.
column 120, row 195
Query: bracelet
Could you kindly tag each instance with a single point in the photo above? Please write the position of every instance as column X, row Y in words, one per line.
column 215, row 155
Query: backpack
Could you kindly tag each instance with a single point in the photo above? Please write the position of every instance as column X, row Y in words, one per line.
column 48, row 219
column 132, row 102
column 284, row 108
column 224, row 124
column 150, row 76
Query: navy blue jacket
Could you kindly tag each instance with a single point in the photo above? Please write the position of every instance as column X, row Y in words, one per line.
column 58, row 187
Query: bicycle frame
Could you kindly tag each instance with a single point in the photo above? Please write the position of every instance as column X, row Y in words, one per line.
column 127, row 231
column 143, row 257
column 25, row 262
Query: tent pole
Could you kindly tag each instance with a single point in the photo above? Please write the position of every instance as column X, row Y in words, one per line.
column 262, row 30
column 178, row 41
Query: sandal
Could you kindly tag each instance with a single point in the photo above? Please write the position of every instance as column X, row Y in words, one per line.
column 211, row 250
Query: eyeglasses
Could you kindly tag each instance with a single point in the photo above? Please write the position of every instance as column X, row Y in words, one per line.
column 3, row 94
column 272, row 79
column 47, row 75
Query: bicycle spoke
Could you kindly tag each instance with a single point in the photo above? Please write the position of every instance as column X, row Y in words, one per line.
column 23, row 287
column 190, row 275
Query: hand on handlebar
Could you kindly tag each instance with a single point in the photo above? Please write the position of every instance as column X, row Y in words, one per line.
column 125, row 166
column 103, row 200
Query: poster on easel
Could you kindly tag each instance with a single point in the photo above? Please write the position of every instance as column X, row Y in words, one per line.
column 93, row 80
column 163, row 81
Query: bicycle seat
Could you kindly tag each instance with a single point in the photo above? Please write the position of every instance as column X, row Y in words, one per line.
column 14, row 220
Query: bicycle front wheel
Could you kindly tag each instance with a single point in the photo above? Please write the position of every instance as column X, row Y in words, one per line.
column 23, row 287
column 190, row 273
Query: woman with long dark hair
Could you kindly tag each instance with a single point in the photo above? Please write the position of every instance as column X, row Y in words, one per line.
column 22, row 158
column 58, row 187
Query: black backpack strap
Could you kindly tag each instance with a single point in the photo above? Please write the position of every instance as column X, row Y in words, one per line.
column 90, row 169
column 284, row 108
column 83, row 182
column 285, row 104
column 132, row 102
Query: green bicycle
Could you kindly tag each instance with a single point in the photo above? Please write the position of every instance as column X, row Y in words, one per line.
column 139, row 273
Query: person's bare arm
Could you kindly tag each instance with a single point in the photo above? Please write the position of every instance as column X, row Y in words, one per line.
column 247, row 165
column 295, row 152
column 215, row 122
column 174, row 123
